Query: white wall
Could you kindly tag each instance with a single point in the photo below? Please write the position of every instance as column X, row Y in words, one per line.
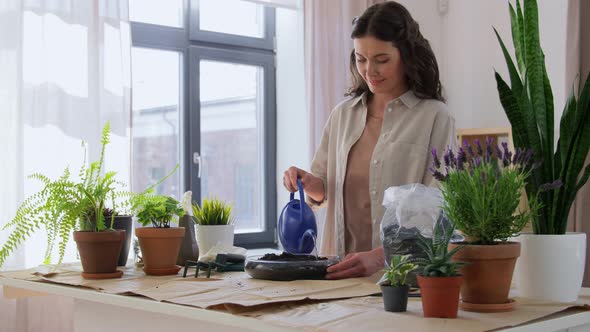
column 292, row 114
column 468, row 52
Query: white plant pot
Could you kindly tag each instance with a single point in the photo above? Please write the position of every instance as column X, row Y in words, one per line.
column 551, row 267
column 210, row 236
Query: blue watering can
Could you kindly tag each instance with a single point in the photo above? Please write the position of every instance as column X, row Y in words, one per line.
column 297, row 225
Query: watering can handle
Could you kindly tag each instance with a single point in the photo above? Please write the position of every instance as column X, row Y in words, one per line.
column 301, row 198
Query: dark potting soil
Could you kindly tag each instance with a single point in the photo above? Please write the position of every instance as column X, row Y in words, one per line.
column 286, row 267
column 402, row 241
column 287, row 257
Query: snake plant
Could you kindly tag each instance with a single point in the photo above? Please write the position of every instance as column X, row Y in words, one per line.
column 528, row 104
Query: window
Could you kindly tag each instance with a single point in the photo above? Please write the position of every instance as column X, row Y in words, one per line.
column 204, row 98
column 156, row 119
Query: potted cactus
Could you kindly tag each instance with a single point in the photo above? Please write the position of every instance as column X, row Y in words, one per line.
column 438, row 275
column 393, row 283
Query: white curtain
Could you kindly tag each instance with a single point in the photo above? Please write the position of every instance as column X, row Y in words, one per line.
column 64, row 71
column 327, row 46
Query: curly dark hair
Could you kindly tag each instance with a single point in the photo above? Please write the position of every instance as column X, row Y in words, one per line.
column 390, row 21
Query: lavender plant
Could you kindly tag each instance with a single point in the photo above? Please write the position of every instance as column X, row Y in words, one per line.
column 482, row 189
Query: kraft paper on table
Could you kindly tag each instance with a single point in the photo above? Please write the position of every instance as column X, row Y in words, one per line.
column 310, row 305
column 235, row 289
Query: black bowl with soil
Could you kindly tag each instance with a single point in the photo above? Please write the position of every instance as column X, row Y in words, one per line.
column 287, row 267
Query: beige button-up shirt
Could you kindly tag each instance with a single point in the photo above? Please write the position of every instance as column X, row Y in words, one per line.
column 411, row 128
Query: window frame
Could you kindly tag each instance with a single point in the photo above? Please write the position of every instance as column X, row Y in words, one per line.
column 194, row 45
column 266, row 42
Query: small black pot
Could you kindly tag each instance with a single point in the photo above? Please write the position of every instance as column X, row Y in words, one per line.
column 395, row 299
column 124, row 223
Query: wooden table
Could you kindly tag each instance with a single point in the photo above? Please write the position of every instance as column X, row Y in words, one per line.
column 96, row 311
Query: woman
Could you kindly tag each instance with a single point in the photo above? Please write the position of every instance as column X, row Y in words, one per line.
column 380, row 137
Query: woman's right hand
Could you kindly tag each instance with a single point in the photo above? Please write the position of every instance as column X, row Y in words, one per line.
column 313, row 185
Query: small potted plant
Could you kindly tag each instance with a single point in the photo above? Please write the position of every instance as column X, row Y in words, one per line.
column 159, row 243
column 481, row 189
column 65, row 206
column 214, row 224
column 438, row 275
column 393, row 283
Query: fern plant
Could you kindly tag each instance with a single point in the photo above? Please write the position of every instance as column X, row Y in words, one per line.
column 528, row 103
column 213, row 212
column 157, row 210
column 65, row 205
column 438, row 258
column 395, row 274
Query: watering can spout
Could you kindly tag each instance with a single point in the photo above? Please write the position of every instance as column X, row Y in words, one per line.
column 309, row 237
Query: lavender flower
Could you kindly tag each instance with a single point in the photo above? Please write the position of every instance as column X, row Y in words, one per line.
column 451, row 157
column 507, row 155
column 499, row 152
column 550, row 186
column 461, row 159
column 435, row 159
column 477, row 162
column 469, row 148
column 447, row 158
column 518, row 157
column 479, row 149
column 439, row 176
column 489, row 150
column 506, row 160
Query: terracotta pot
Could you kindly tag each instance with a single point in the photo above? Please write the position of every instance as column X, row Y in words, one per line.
column 440, row 296
column 159, row 249
column 99, row 252
column 488, row 273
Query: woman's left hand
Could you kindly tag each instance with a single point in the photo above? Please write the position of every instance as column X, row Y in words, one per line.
column 359, row 264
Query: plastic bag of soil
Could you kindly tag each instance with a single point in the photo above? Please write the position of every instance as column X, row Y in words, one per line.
column 409, row 210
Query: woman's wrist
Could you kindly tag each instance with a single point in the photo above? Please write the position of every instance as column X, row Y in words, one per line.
column 379, row 253
column 315, row 188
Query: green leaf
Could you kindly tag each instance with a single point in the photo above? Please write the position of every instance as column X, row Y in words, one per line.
column 536, row 88
column 567, row 123
column 515, row 81
column 517, row 36
column 513, row 112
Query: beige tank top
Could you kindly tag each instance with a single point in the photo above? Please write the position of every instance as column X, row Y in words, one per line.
column 357, row 202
